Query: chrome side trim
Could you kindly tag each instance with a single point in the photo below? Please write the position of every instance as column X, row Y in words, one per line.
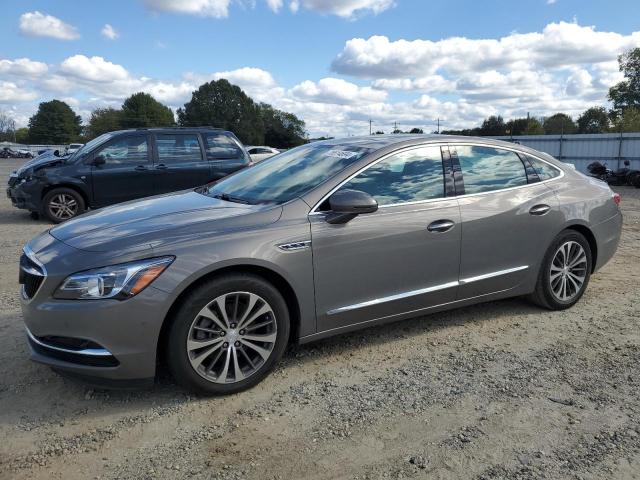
column 92, row 352
column 435, row 288
column 293, row 246
column 464, row 281
column 314, row 210
column 391, row 298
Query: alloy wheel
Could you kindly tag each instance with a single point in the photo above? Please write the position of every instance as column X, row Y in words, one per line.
column 568, row 271
column 232, row 337
column 63, row 206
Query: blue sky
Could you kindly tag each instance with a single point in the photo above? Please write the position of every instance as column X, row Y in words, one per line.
column 335, row 63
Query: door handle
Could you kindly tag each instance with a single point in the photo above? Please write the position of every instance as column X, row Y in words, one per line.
column 539, row 209
column 140, row 168
column 440, row 226
column 161, row 166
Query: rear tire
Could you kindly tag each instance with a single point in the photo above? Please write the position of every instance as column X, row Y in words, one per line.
column 564, row 272
column 213, row 355
column 62, row 204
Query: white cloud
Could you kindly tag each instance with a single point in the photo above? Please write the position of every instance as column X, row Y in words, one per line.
column 109, row 32
column 23, row 67
column 430, row 83
column 559, row 45
column 337, row 91
column 343, row 8
column 94, row 69
column 36, row 24
column 275, row 5
column 204, row 8
column 12, row 93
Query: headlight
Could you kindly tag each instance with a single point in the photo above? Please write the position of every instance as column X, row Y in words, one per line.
column 26, row 175
column 116, row 281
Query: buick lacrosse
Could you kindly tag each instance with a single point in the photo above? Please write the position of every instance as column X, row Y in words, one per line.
column 316, row 241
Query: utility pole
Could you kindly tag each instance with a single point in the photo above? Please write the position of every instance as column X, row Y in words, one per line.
column 438, row 124
column 395, row 127
column 370, row 126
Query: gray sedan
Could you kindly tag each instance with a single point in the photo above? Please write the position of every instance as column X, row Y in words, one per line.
column 320, row 240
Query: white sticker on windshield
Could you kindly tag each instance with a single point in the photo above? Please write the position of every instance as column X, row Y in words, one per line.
column 341, row 154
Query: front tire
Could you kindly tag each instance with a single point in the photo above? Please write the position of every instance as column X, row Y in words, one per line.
column 564, row 273
column 62, row 204
column 227, row 335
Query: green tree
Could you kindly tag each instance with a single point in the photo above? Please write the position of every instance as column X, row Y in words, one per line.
column 7, row 127
column 626, row 94
column 559, row 123
column 54, row 123
column 22, row 135
column 593, row 120
column 142, row 110
column 416, row 130
column 223, row 105
column 281, row 129
column 104, row 120
column 628, row 121
column 494, row 126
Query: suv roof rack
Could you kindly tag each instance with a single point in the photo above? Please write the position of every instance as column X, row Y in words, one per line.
column 208, row 127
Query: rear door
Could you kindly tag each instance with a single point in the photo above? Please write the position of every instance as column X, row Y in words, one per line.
column 179, row 162
column 225, row 154
column 508, row 218
column 126, row 173
column 402, row 258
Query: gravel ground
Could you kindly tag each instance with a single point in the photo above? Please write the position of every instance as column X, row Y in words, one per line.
column 502, row 390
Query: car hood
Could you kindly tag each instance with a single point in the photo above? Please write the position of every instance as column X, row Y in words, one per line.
column 41, row 161
column 160, row 220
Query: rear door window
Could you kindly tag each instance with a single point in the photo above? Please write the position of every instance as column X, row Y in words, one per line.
column 486, row 169
column 178, row 148
column 220, row 146
column 544, row 170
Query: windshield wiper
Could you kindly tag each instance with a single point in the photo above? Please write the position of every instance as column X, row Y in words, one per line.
column 230, row 198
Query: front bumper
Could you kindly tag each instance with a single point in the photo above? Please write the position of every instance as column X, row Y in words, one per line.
column 123, row 334
column 25, row 195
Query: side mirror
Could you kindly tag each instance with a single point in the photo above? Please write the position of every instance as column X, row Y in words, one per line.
column 347, row 204
column 98, row 160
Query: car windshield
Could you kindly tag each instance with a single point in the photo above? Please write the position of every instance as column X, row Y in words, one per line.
column 89, row 145
column 287, row 175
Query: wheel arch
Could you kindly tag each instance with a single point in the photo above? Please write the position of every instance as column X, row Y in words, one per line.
column 591, row 239
column 268, row 274
column 80, row 191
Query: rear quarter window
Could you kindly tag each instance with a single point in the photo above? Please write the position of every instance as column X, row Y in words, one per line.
column 544, row 170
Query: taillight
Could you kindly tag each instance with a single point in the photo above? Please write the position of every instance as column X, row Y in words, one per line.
column 616, row 198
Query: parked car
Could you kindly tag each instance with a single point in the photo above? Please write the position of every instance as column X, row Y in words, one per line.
column 261, row 153
column 125, row 165
column 74, row 147
column 320, row 240
column 8, row 152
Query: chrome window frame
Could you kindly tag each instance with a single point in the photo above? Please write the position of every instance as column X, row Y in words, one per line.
column 314, row 210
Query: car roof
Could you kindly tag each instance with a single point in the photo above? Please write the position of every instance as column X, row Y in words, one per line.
column 169, row 129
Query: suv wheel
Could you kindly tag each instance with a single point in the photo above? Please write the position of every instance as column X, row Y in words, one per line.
column 228, row 335
column 62, row 204
column 565, row 272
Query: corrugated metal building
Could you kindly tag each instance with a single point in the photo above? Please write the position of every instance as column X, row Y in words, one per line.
column 581, row 150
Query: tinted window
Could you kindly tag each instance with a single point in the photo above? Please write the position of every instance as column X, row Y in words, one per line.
column 543, row 169
column 288, row 175
column 178, row 148
column 220, row 146
column 125, row 150
column 409, row 176
column 485, row 168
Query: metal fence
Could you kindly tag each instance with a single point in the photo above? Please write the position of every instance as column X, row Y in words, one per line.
column 580, row 150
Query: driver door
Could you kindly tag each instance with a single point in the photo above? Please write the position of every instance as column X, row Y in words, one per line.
column 126, row 173
column 402, row 258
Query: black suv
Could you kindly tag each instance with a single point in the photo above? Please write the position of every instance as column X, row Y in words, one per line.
column 125, row 165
